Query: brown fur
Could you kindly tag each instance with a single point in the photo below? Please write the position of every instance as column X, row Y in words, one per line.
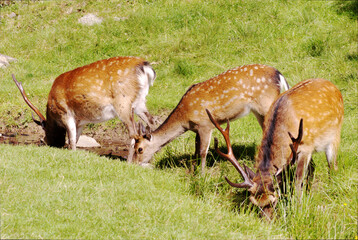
column 94, row 93
column 319, row 103
column 228, row 96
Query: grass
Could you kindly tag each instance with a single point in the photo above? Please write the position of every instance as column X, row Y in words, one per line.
column 54, row 193
column 62, row 194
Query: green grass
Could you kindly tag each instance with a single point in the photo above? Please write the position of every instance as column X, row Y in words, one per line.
column 54, row 193
column 62, row 194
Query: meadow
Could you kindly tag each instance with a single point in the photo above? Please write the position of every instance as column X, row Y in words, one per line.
column 61, row 194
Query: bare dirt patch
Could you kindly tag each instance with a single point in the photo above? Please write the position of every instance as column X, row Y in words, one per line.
column 114, row 140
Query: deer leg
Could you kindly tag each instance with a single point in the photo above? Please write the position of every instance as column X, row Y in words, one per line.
column 302, row 164
column 310, row 174
column 71, row 132
column 197, row 145
column 331, row 155
column 141, row 110
column 204, row 136
column 124, row 113
column 260, row 118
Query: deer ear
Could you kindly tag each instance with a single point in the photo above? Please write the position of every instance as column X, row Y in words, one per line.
column 148, row 130
column 148, row 136
column 146, row 133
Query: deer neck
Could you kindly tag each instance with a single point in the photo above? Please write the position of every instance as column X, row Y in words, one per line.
column 171, row 128
column 274, row 149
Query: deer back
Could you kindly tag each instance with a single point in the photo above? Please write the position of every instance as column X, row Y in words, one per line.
column 232, row 94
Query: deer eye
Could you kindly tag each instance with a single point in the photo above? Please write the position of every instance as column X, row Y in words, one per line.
column 140, row 150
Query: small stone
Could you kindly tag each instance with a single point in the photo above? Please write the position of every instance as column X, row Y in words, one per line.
column 12, row 15
column 90, row 19
column 4, row 60
column 87, row 142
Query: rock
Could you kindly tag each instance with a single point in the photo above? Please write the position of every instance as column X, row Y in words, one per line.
column 12, row 15
column 120, row 18
column 4, row 60
column 90, row 19
column 87, row 142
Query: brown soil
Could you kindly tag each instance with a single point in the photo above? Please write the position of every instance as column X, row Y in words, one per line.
column 114, row 141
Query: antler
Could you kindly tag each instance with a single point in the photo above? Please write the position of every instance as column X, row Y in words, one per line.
column 22, row 91
column 230, row 155
column 296, row 142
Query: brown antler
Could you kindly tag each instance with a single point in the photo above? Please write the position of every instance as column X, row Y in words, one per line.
column 296, row 142
column 230, row 155
column 22, row 91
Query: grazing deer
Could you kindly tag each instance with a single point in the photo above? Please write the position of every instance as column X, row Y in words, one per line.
column 230, row 95
column 314, row 108
column 94, row 93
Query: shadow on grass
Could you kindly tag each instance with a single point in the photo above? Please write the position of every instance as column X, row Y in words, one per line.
column 188, row 160
column 348, row 7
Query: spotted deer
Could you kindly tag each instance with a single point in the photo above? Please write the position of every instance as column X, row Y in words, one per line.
column 230, row 95
column 314, row 109
column 94, row 93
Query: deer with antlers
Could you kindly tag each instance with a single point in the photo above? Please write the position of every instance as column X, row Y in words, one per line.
column 109, row 88
column 314, row 109
column 230, row 95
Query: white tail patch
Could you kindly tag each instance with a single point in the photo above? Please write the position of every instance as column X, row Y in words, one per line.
column 151, row 75
column 283, row 84
column 145, row 79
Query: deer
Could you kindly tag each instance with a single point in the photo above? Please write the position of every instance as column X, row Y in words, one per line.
column 97, row 92
column 314, row 109
column 229, row 95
